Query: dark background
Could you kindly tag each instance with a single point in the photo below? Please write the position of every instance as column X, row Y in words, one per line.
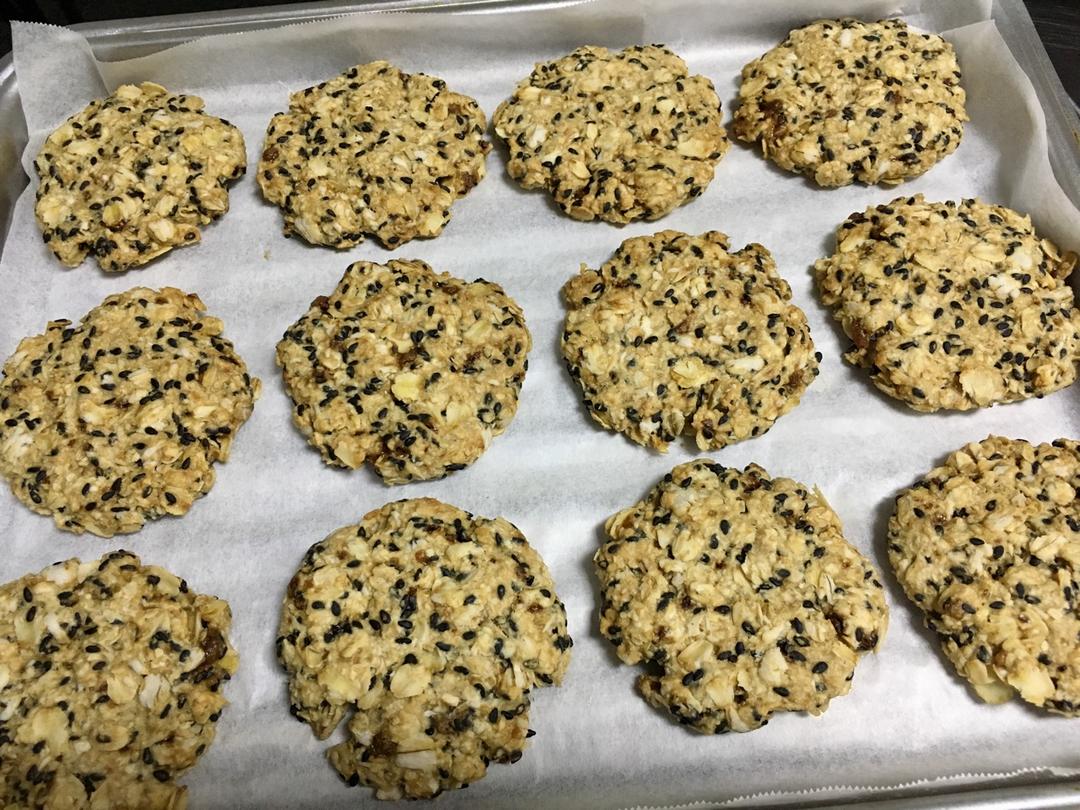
column 1058, row 22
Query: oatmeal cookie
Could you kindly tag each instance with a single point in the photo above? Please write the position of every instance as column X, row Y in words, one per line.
column 432, row 626
column 845, row 100
column 617, row 136
column 953, row 306
column 374, row 151
column 119, row 420
column 134, row 175
column 740, row 594
column 675, row 334
column 410, row 370
column 988, row 548
column 110, row 684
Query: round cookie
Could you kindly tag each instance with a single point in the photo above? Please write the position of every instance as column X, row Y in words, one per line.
column 988, row 548
column 845, row 100
column 434, row 626
column 407, row 369
column 375, row 152
column 740, row 594
column 119, row 420
column 134, row 175
column 676, row 334
column 617, row 136
column 110, row 684
column 953, row 306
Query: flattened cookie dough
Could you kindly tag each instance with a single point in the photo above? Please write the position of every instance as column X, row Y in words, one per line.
column 988, row 548
column 134, row 175
column 410, row 370
column 845, row 100
column 617, row 136
column 372, row 152
column 432, row 626
column 675, row 334
column 953, row 306
column 119, row 420
column 111, row 675
column 740, row 594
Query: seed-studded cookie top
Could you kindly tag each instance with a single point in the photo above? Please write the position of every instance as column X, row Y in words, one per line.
column 617, row 136
column 374, row 151
column 988, row 547
column 119, row 420
column 845, row 100
column 133, row 175
column 110, row 684
column 953, row 306
column 675, row 334
column 740, row 593
column 410, row 370
column 434, row 625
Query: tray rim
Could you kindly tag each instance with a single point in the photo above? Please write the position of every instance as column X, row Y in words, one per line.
column 113, row 40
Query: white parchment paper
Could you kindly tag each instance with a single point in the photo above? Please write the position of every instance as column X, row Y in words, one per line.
column 554, row 473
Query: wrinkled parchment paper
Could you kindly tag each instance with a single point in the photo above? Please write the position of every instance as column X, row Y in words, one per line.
column 554, row 473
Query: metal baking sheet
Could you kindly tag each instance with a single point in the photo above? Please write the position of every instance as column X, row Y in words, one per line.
column 127, row 39
column 124, row 39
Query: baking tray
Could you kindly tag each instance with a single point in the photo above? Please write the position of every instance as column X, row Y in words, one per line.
column 126, row 39
column 123, row 39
